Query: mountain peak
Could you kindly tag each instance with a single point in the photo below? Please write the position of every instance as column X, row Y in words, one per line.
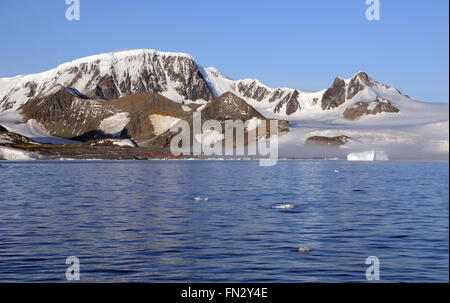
column 215, row 72
column 120, row 54
column 363, row 77
column 113, row 75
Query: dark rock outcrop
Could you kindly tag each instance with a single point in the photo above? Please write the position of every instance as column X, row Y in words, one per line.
column 67, row 116
column 330, row 141
column 226, row 107
column 253, row 90
column 229, row 107
column 335, row 95
column 14, row 138
column 362, row 108
column 358, row 83
column 140, row 107
column 64, row 115
column 2, row 129
column 291, row 102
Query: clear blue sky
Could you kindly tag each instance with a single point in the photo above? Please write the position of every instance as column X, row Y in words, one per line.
column 302, row 44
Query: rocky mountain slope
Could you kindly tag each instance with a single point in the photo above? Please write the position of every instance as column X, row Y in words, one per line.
column 291, row 103
column 111, row 76
column 141, row 117
column 226, row 107
column 179, row 78
column 66, row 115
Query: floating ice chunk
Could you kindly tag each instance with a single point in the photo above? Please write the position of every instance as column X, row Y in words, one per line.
column 373, row 155
column 304, row 249
column 336, row 171
column 284, row 206
column 200, row 199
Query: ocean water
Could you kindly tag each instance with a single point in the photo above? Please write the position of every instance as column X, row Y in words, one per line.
column 140, row 222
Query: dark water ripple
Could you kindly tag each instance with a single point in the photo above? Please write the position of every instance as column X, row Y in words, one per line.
column 129, row 221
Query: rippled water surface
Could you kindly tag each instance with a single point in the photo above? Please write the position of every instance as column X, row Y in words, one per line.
column 139, row 221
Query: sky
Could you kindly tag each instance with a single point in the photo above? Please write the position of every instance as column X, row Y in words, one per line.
column 298, row 44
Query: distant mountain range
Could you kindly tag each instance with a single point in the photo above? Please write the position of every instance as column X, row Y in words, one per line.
column 139, row 94
column 179, row 78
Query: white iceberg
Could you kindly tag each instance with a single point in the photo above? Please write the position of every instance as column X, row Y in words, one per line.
column 284, row 206
column 304, row 249
column 373, row 155
column 200, row 199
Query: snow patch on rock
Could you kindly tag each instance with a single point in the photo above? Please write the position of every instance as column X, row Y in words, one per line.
column 114, row 124
column 7, row 153
column 162, row 123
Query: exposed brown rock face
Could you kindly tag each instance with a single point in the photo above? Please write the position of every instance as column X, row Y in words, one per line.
column 276, row 95
column 339, row 92
column 14, row 138
column 226, row 107
column 117, row 75
column 291, row 102
column 335, row 95
column 230, row 107
column 185, row 71
column 67, row 116
column 253, row 91
column 154, row 76
column 2, row 129
column 358, row 83
column 140, row 106
column 106, row 89
column 332, row 141
column 360, row 109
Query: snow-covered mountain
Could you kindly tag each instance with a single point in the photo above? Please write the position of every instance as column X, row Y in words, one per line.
column 358, row 91
column 103, row 93
column 179, row 78
column 111, row 76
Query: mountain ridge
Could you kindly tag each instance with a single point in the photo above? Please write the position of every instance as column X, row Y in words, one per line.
column 180, row 78
column 141, row 94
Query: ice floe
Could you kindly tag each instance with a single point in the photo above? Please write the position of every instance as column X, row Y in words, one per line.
column 304, row 249
column 372, row 155
column 284, row 206
column 201, row 199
